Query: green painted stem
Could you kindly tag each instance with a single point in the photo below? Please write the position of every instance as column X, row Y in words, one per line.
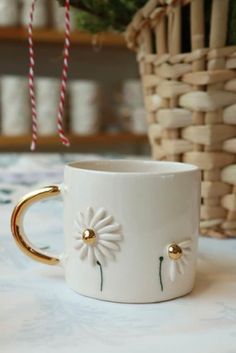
column 161, row 259
column 101, row 274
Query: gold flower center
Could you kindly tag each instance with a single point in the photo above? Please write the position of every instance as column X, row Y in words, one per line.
column 89, row 237
column 175, row 252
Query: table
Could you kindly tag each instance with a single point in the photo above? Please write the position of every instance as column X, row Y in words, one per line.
column 39, row 313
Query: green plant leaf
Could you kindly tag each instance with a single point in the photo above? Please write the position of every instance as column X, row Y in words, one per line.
column 101, row 15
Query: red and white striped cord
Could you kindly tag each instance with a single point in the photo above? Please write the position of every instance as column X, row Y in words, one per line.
column 64, row 78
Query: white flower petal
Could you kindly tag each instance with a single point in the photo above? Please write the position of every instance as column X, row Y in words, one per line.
column 97, row 217
column 110, row 237
column 103, row 222
column 173, row 270
column 180, row 267
column 104, row 227
column 88, row 216
column 83, row 251
column 91, row 256
column 78, row 227
column 110, row 228
column 80, row 218
column 187, row 251
column 79, row 244
column 184, row 260
column 99, row 256
column 106, row 252
column 109, row 244
column 185, row 244
column 77, row 236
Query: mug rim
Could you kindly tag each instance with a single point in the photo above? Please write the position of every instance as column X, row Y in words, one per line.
column 132, row 167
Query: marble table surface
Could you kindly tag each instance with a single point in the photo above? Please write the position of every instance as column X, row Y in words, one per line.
column 39, row 313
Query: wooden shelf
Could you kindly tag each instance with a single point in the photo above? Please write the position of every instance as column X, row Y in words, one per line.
column 54, row 36
column 53, row 142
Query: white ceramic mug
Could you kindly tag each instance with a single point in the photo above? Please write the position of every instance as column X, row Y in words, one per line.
column 47, row 99
column 15, row 117
column 9, row 13
column 85, row 106
column 131, row 229
column 58, row 17
column 132, row 93
column 40, row 14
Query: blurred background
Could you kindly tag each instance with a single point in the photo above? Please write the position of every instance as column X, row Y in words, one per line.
column 104, row 112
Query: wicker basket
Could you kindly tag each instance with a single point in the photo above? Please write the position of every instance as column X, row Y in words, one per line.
column 191, row 99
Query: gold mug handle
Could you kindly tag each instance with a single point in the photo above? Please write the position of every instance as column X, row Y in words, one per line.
column 18, row 229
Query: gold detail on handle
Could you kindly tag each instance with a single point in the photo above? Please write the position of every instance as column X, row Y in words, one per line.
column 89, row 237
column 175, row 252
column 18, row 229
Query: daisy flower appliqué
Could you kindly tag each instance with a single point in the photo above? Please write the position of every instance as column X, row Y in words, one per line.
column 97, row 236
column 178, row 254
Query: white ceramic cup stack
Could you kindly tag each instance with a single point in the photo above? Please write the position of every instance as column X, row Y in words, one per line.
column 84, row 107
column 58, row 13
column 47, row 97
column 15, row 108
column 133, row 101
column 40, row 13
column 9, row 13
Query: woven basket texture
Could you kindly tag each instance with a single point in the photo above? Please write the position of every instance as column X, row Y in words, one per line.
column 190, row 97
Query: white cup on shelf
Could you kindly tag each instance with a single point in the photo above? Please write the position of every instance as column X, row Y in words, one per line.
column 15, row 107
column 132, row 109
column 40, row 14
column 138, row 121
column 84, row 107
column 132, row 93
column 58, row 17
column 9, row 13
column 47, row 97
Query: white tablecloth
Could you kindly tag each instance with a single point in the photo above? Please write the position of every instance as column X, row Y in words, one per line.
column 39, row 313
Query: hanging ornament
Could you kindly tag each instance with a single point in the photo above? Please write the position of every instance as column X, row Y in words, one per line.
column 64, row 77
